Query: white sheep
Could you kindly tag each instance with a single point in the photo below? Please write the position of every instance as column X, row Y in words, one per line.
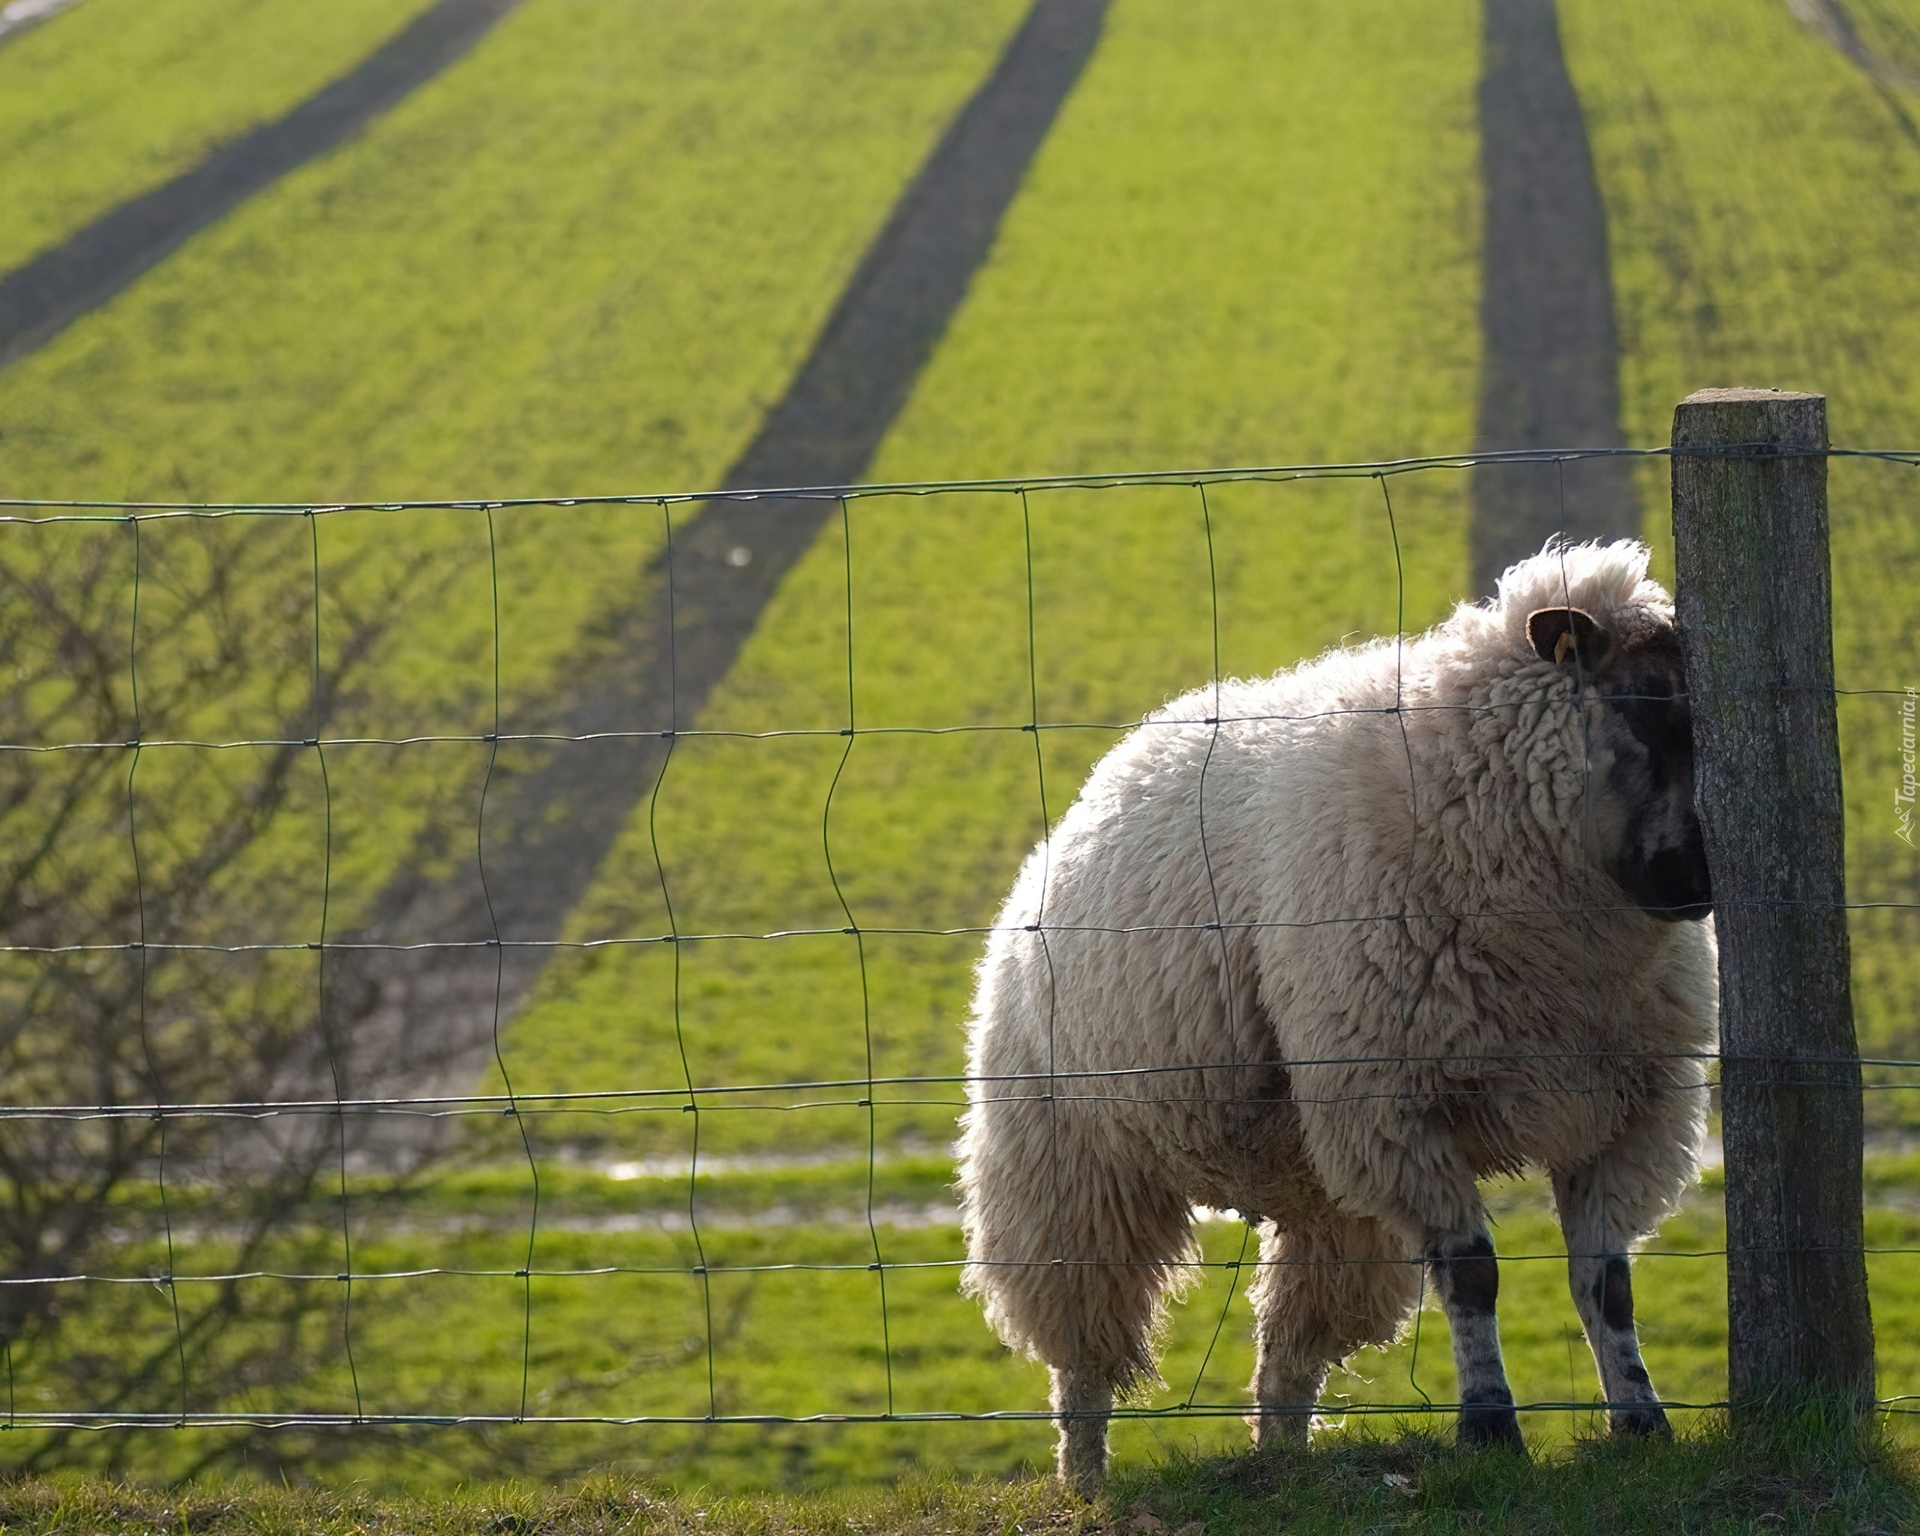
column 1326, row 948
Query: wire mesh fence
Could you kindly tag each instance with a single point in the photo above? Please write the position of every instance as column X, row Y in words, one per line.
column 401, row 897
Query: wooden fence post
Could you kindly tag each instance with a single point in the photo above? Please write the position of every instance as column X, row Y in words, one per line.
column 1754, row 607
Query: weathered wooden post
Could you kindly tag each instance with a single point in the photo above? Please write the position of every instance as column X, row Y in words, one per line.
column 1755, row 616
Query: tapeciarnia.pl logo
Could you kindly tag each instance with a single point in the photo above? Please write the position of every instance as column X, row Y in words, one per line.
column 1903, row 794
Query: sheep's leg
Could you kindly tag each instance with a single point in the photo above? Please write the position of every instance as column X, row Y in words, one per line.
column 1071, row 1249
column 1467, row 1276
column 1411, row 1174
column 1322, row 1292
column 1082, row 1400
column 1291, row 1356
column 1100, row 1317
column 1600, row 1274
column 1287, row 1393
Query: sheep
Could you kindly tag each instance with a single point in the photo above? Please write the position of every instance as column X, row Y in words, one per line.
column 1328, row 947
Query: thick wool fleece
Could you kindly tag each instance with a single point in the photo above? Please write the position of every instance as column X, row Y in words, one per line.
column 1327, row 961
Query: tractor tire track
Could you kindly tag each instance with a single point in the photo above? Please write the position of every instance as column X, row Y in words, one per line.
column 1831, row 21
column 24, row 15
column 1551, row 371
column 41, row 299
column 423, row 1021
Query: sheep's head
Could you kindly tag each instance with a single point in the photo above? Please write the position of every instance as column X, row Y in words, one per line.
column 1640, row 825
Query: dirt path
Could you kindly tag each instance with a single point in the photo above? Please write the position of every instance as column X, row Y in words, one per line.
column 1551, row 375
column 424, row 1019
column 49, row 293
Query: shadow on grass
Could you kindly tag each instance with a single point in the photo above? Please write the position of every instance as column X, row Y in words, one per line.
column 1803, row 1475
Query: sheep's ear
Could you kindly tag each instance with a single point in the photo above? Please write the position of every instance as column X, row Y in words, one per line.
column 1568, row 637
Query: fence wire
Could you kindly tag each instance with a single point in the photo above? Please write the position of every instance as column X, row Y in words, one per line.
column 32, row 1005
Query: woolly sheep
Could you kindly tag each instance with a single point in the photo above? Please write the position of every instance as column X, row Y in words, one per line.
column 1448, row 917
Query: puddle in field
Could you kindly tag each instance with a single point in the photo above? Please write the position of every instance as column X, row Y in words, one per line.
column 678, row 1167
column 934, row 1213
column 1503, row 1197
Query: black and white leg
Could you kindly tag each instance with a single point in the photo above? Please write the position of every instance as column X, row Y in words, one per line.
column 1467, row 1276
column 1600, row 1274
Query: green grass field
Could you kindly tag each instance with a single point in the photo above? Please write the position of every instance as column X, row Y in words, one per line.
column 1804, row 1477
column 585, row 260
column 1761, row 218
column 121, row 96
column 578, row 261
column 1179, row 125
column 1168, row 346
column 368, row 328
column 620, row 1325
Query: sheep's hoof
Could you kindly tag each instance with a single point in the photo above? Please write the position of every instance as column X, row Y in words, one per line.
column 1491, row 1426
column 1639, row 1422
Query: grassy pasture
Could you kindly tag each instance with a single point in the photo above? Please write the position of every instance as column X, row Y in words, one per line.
column 1804, row 1477
column 1892, row 30
column 520, row 284
column 1133, row 314
column 581, row 259
column 119, row 96
column 1763, row 206
column 1043, row 370
column 626, row 1333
